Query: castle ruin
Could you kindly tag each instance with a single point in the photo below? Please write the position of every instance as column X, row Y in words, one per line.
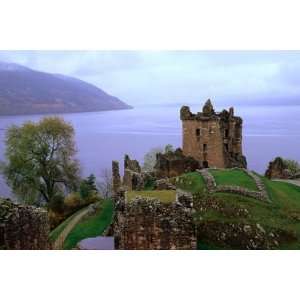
column 214, row 139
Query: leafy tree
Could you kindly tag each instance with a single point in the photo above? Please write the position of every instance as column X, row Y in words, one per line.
column 150, row 159
column 40, row 160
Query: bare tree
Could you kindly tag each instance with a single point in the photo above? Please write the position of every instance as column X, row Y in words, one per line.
column 104, row 185
column 150, row 158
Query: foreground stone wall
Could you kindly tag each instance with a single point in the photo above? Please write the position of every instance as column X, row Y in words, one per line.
column 23, row 227
column 147, row 223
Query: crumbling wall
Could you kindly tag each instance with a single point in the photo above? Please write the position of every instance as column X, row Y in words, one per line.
column 277, row 169
column 147, row 223
column 132, row 179
column 212, row 187
column 23, row 227
column 116, row 178
column 174, row 163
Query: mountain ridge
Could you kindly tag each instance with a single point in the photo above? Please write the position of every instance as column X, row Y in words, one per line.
column 27, row 91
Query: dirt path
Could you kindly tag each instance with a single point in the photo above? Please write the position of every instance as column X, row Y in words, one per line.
column 59, row 242
column 292, row 181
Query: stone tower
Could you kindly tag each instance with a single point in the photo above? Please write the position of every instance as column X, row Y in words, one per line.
column 214, row 139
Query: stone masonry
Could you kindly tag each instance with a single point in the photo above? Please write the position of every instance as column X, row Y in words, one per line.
column 23, row 227
column 147, row 223
column 212, row 187
column 277, row 169
column 213, row 139
column 174, row 163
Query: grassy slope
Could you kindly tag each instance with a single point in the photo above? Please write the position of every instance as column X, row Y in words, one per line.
column 91, row 226
column 191, row 182
column 58, row 230
column 165, row 196
column 279, row 214
column 233, row 177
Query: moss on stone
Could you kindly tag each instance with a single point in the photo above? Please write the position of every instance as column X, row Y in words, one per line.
column 165, row 196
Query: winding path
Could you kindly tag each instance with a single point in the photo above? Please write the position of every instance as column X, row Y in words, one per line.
column 59, row 242
column 292, row 181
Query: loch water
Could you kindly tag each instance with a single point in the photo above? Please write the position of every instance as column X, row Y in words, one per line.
column 268, row 131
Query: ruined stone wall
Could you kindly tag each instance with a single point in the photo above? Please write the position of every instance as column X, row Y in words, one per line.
column 116, row 178
column 147, row 223
column 174, row 163
column 277, row 169
column 212, row 187
column 23, row 227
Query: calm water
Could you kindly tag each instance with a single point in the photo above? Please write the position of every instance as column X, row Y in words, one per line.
column 105, row 136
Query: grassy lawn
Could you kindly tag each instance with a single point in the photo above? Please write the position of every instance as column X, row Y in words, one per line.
column 165, row 196
column 233, row 177
column 284, row 194
column 192, row 182
column 275, row 215
column 58, row 230
column 91, row 226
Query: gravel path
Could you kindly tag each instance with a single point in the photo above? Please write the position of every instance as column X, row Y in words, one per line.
column 59, row 242
column 292, row 181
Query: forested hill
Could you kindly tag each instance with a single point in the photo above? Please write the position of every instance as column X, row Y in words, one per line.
column 26, row 91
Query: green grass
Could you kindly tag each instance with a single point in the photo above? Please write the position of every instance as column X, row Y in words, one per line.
column 277, row 215
column 233, row 177
column 91, row 226
column 192, row 182
column 283, row 194
column 165, row 196
column 58, row 230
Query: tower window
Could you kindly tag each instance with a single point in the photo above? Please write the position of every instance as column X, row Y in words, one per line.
column 226, row 133
column 204, row 147
column 197, row 132
column 226, row 147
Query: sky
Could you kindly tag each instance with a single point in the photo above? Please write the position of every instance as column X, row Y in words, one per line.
column 143, row 78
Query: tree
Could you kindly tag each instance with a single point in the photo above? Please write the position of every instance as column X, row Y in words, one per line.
column 40, row 160
column 292, row 165
column 169, row 148
column 105, row 184
column 88, row 186
column 150, row 159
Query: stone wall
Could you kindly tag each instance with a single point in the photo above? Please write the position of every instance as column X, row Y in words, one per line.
column 147, row 223
column 174, row 163
column 277, row 169
column 133, row 179
column 212, row 187
column 23, row 227
column 116, row 178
